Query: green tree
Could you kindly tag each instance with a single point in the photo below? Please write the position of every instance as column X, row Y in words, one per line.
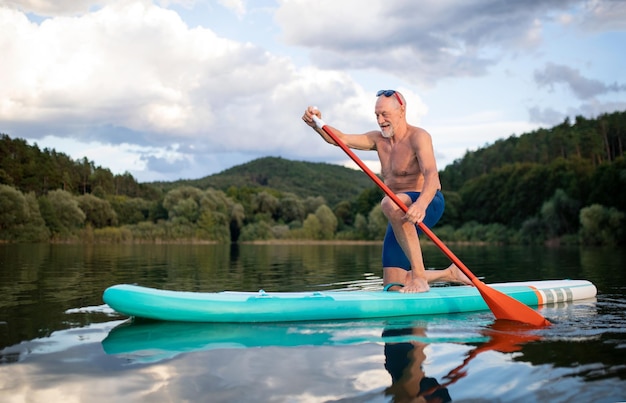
column 609, row 184
column 215, row 216
column 13, row 208
column 560, row 214
column 291, row 208
column 513, row 193
column 213, row 225
column 265, row 203
column 62, row 212
column 452, row 214
column 328, row 222
column 5, row 178
column 361, row 227
column 20, row 219
column 256, row 231
column 103, row 182
column 98, row 212
column 345, row 214
column 533, row 231
column 367, row 199
column 601, row 225
column 130, row 210
column 237, row 219
column 158, row 212
column 311, row 204
column 376, row 223
column 34, row 229
column 311, row 227
column 183, row 203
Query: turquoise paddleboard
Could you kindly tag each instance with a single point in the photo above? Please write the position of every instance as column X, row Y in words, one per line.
column 261, row 306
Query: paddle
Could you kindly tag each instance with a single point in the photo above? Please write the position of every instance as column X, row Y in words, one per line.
column 504, row 337
column 502, row 305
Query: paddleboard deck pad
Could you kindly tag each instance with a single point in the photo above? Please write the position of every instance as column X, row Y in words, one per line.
column 261, row 306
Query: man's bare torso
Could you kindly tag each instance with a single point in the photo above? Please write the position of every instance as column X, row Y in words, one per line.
column 399, row 164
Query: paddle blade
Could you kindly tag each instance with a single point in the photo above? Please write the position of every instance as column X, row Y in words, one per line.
column 506, row 307
column 504, row 336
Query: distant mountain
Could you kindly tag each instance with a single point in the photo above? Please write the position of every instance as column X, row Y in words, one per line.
column 335, row 183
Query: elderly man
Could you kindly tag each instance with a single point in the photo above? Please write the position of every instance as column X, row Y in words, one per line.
column 409, row 169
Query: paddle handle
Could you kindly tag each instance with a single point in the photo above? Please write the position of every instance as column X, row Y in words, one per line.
column 321, row 125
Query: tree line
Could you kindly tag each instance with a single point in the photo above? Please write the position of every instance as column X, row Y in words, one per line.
column 30, row 169
column 560, row 185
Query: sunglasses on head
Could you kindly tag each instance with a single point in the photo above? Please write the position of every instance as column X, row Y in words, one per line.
column 389, row 93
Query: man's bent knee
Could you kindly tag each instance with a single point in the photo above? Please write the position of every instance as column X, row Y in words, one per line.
column 389, row 206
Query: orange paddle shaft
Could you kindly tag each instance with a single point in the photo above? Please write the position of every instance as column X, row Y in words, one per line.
column 502, row 305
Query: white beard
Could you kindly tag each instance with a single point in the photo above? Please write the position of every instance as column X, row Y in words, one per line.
column 388, row 133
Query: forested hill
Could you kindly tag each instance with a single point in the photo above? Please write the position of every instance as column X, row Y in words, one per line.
column 566, row 183
column 546, row 179
column 333, row 182
column 28, row 168
column 595, row 141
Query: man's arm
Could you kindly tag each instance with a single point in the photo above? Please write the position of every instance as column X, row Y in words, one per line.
column 364, row 141
column 357, row 141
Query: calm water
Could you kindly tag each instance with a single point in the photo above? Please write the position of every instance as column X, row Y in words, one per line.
column 58, row 342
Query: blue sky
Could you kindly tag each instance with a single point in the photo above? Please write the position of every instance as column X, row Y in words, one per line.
column 176, row 89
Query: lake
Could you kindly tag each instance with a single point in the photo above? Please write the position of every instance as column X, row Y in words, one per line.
column 59, row 342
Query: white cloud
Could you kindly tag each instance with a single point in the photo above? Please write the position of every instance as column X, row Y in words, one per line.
column 421, row 42
column 135, row 73
column 52, row 8
column 237, row 6
column 166, row 83
column 130, row 64
column 582, row 87
column 603, row 15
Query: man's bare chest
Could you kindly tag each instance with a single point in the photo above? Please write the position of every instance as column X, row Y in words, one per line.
column 399, row 160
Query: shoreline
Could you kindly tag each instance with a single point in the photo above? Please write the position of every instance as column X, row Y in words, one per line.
column 310, row 242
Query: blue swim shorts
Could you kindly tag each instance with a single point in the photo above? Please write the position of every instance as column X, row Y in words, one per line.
column 393, row 255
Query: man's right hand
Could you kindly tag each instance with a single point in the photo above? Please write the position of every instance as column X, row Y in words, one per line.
column 308, row 115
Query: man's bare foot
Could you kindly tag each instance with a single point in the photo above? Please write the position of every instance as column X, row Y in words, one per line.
column 457, row 276
column 413, row 285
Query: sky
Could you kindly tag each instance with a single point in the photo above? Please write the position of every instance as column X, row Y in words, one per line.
column 182, row 89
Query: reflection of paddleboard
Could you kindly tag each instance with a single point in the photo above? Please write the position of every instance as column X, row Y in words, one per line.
column 151, row 341
column 263, row 306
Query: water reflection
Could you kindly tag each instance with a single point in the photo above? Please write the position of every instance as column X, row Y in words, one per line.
column 468, row 354
column 605, row 268
column 404, row 360
column 141, row 342
column 38, row 283
column 49, row 348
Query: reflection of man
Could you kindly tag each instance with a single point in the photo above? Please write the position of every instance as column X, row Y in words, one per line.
column 403, row 361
